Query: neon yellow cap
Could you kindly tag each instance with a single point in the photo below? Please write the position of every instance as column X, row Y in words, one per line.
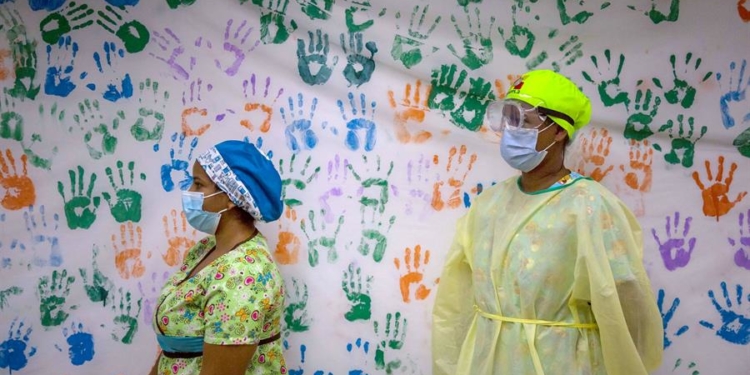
column 551, row 90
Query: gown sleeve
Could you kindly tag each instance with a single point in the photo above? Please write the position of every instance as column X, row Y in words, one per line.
column 610, row 274
column 453, row 309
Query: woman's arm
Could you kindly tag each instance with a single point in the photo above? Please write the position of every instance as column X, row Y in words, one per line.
column 154, row 368
column 226, row 359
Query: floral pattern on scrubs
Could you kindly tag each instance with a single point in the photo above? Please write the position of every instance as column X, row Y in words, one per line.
column 238, row 299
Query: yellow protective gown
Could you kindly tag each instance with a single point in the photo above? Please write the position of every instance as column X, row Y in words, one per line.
column 568, row 255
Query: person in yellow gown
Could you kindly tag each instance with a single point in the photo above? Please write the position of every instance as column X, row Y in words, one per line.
column 545, row 274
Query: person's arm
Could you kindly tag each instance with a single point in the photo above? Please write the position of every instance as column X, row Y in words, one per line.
column 226, row 359
column 454, row 306
column 155, row 367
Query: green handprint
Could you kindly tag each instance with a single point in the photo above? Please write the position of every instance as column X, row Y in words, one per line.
column 415, row 39
column 52, row 297
column 682, row 92
column 358, row 294
column 11, row 122
column 658, row 16
column 521, row 41
column 133, row 34
column 318, row 238
column 637, row 127
column 91, row 121
column 313, row 9
column 291, row 179
column 690, row 369
column 4, row 294
column 477, row 46
column 23, row 52
column 101, row 286
column 363, row 7
column 359, row 68
column 607, row 84
column 150, row 90
column 572, row 50
column 392, row 338
column 58, row 24
column 470, row 114
column 582, row 16
column 464, row 3
column 373, row 237
column 444, row 89
column 295, row 313
column 681, row 141
column 274, row 15
column 57, row 118
column 174, row 4
column 78, row 210
column 128, row 205
column 125, row 321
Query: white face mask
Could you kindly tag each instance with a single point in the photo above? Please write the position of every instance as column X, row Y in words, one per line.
column 518, row 148
column 204, row 221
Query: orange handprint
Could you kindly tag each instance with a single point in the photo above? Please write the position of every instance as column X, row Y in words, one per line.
column 716, row 201
column 641, row 158
column 179, row 240
column 595, row 151
column 128, row 254
column 743, row 10
column 19, row 190
column 287, row 250
column 454, row 184
column 190, row 112
column 414, row 273
column 260, row 110
column 414, row 109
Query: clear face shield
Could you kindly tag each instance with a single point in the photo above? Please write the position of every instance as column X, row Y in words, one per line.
column 516, row 114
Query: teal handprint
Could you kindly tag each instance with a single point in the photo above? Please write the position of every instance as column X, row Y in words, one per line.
column 683, row 142
column 408, row 48
column 608, row 80
column 477, row 44
column 682, row 91
column 129, row 202
column 53, row 292
column 79, row 212
column 359, row 68
column 316, row 56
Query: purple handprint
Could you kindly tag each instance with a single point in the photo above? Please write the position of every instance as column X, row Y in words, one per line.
column 150, row 295
column 742, row 256
column 179, row 72
column 338, row 173
column 234, row 44
column 673, row 250
column 420, row 192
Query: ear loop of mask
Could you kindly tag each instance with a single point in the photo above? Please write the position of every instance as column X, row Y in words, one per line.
column 214, row 194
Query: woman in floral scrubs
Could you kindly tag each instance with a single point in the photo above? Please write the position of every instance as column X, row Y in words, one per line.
column 221, row 312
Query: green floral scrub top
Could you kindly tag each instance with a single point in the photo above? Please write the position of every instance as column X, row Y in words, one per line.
column 238, row 299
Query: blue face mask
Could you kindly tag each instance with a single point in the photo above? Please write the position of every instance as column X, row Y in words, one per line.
column 204, row 221
column 518, row 148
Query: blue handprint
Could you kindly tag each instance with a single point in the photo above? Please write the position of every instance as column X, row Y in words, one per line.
column 259, row 145
column 48, row 5
column 113, row 93
column 360, row 122
column 13, row 351
column 734, row 94
column 364, row 347
column 735, row 327
column 666, row 317
column 302, row 350
column 474, row 193
column 176, row 162
column 44, row 239
column 80, row 344
column 297, row 123
column 59, row 73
